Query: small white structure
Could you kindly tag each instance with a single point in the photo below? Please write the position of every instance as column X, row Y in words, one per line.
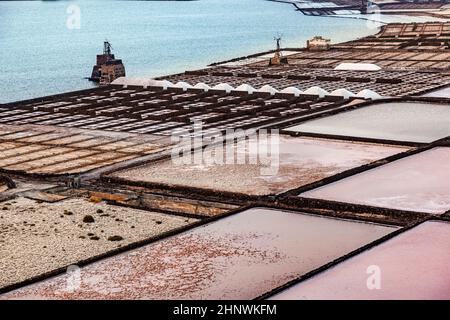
column 144, row 82
column 223, row 86
column 292, row 90
column 183, row 85
column 368, row 94
column 164, row 83
column 357, row 67
column 346, row 94
column 126, row 81
column 245, row 88
column 122, row 81
column 269, row 89
column 202, row 86
column 316, row 91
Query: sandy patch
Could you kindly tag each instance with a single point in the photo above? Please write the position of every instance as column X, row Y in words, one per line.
column 39, row 237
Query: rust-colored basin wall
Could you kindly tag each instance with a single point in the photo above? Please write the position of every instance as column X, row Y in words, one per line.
column 417, row 183
column 413, row 265
column 238, row 257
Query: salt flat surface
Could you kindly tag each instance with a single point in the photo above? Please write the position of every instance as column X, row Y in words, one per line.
column 300, row 161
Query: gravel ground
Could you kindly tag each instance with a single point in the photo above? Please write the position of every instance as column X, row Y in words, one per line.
column 39, row 237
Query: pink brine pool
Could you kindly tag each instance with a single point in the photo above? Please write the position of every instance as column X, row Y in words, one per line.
column 418, row 183
column 412, row 265
column 238, row 257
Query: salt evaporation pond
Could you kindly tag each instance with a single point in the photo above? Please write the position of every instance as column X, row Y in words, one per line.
column 300, row 161
column 399, row 121
column 440, row 93
column 418, row 183
column 413, row 265
column 238, row 257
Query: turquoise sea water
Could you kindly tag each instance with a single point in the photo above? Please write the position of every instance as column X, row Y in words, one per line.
column 40, row 55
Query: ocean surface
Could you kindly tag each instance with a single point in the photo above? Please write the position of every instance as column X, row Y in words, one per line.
column 41, row 55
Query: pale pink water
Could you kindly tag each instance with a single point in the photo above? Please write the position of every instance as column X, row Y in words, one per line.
column 413, row 265
column 239, row 257
column 417, row 183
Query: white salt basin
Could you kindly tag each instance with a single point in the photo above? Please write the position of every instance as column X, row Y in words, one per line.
column 404, row 121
